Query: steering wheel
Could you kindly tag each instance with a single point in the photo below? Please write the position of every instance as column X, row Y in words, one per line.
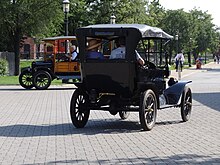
column 62, row 57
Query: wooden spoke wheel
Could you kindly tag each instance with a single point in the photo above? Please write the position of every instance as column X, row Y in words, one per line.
column 124, row 114
column 25, row 79
column 148, row 110
column 186, row 104
column 79, row 111
column 42, row 80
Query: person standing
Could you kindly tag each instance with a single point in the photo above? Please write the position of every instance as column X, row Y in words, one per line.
column 217, row 58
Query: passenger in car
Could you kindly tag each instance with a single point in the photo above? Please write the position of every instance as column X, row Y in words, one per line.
column 119, row 52
column 93, row 49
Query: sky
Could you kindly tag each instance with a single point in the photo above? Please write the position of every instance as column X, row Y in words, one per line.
column 211, row 6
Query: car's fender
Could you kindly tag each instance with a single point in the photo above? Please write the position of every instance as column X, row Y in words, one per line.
column 26, row 69
column 174, row 92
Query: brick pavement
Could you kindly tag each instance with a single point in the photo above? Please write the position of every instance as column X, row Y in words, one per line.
column 35, row 128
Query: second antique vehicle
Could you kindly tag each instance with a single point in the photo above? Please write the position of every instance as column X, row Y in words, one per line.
column 119, row 84
column 56, row 64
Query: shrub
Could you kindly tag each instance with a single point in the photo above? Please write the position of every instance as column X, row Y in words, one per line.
column 3, row 67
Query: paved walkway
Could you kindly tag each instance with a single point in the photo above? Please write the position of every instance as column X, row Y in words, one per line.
column 35, row 128
column 193, row 70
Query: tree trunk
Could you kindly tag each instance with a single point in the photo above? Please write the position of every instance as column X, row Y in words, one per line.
column 17, row 39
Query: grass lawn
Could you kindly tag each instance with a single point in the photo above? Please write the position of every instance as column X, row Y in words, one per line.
column 9, row 80
column 13, row 80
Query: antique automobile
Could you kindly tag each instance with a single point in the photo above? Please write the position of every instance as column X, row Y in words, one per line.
column 123, row 85
column 55, row 65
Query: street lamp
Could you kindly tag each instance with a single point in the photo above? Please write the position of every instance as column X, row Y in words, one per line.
column 66, row 9
column 190, row 51
column 178, row 65
column 112, row 19
column 176, row 38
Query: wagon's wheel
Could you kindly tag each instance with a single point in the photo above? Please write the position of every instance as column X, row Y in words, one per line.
column 25, row 79
column 124, row 114
column 42, row 79
column 186, row 104
column 148, row 110
column 79, row 111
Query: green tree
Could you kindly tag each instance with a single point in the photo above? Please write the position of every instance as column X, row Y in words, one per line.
column 78, row 15
column 155, row 13
column 204, row 32
column 28, row 17
column 177, row 23
column 215, row 44
column 126, row 11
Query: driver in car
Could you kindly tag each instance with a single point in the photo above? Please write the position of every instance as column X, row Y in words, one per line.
column 119, row 52
column 73, row 53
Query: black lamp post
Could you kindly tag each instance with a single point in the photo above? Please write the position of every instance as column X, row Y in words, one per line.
column 190, row 51
column 66, row 9
column 177, row 44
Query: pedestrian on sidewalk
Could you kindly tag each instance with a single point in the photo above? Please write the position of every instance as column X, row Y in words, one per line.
column 217, row 56
column 179, row 59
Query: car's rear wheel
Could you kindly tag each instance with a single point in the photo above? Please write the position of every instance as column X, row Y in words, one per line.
column 25, row 79
column 148, row 110
column 79, row 111
column 186, row 104
column 42, row 80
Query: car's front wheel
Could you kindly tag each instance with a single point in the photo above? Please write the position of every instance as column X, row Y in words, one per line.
column 25, row 79
column 186, row 104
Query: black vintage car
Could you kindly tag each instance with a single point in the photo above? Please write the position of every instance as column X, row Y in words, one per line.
column 123, row 85
column 55, row 65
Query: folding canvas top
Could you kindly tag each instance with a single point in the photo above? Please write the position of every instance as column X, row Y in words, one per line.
column 145, row 30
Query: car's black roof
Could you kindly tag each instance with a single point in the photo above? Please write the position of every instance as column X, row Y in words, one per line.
column 145, row 30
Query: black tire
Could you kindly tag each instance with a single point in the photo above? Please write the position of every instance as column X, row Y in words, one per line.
column 124, row 114
column 42, row 80
column 186, row 104
column 25, row 79
column 148, row 110
column 79, row 111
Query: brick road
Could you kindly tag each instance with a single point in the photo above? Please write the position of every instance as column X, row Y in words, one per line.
column 35, row 128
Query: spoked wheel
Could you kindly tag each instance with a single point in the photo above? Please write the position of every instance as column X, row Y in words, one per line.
column 25, row 79
column 186, row 104
column 41, row 80
column 148, row 110
column 79, row 111
column 124, row 114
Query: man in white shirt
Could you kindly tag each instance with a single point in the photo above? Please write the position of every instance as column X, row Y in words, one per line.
column 73, row 53
column 179, row 59
column 119, row 53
